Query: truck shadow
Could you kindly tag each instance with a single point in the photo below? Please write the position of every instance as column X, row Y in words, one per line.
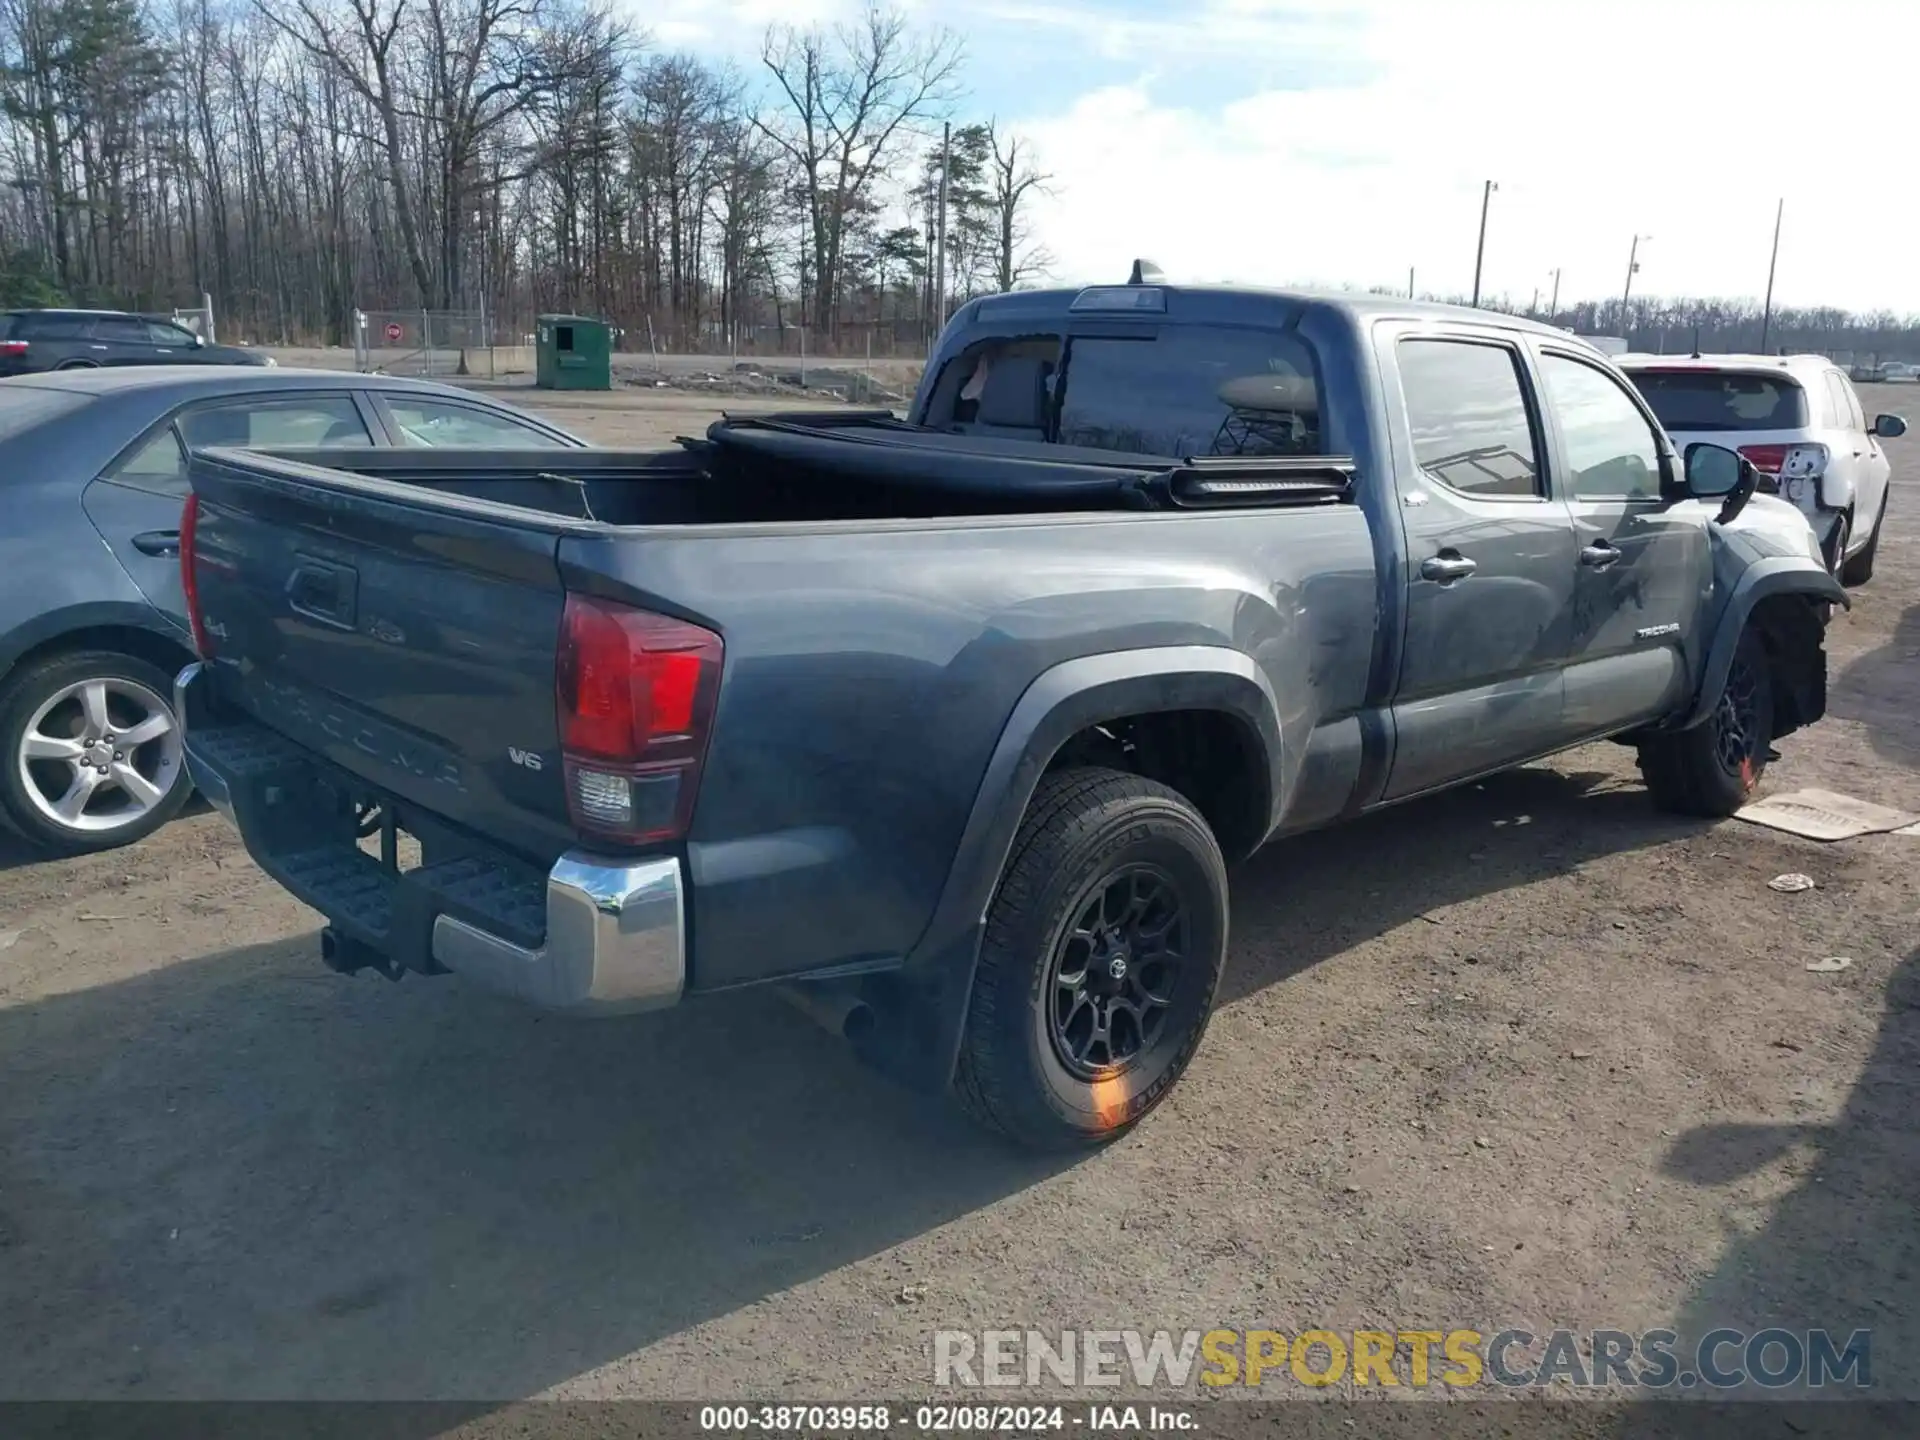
column 1881, row 690
column 279, row 1183
column 1302, row 900
column 282, row 1184
column 1838, row 1252
column 1841, row 1250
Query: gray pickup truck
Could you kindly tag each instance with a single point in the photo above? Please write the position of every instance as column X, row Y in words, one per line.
column 952, row 725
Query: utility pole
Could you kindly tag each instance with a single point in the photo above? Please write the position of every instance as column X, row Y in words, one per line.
column 1553, row 305
column 1409, row 282
column 1480, row 251
column 1633, row 265
column 940, row 244
column 1766, row 315
column 1533, row 305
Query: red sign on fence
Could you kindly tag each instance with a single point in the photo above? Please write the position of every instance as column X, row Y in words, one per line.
column 393, row 331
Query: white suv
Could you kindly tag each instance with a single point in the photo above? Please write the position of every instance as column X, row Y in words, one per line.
column 1797, row 418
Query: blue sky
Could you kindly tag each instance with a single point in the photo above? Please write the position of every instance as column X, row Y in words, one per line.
column 1328, row 142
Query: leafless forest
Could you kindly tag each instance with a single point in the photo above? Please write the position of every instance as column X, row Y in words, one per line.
column 299, row 159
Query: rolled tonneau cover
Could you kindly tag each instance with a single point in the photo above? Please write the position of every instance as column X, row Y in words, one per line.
column 874, row 446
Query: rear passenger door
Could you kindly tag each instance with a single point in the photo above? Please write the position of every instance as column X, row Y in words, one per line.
column 125, row 341
column 1490, row 558
column 135, row 503
column 1643, row 568
column 1870, row 466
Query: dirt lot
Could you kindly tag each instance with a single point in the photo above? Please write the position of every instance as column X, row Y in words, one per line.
column 1527, row 1055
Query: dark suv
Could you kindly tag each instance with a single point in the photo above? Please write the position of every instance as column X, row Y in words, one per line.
column 34, row 341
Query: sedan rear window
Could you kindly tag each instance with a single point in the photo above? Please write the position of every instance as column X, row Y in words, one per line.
column 1722, row 399
column 24, row 406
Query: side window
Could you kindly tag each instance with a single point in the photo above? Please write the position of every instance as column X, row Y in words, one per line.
column 161, row 333
column 434, row 423
column 1611, row 450
column 312, row 420
column 54, row 327
column 1837, row 401
column 1856, row 417
column 159, row 465
column 1468, row 415
column 121, row 331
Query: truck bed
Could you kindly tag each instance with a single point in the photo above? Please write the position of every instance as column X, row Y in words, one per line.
column 839, row 465
column 884, row 601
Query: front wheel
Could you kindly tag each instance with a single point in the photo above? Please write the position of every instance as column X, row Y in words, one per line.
column 93, row 754
column 1714, row 769
column 1103, row 951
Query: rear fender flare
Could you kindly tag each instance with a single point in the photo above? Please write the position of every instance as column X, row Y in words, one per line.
column 919, row 1041
column 1779, row 575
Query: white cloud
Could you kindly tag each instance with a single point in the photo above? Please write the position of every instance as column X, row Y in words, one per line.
column 731, row 28
column 1685, row 120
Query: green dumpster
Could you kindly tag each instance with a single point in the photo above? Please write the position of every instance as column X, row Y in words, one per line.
column 572, row 352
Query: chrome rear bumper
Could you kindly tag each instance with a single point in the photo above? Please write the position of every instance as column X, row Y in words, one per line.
column 616, row 940
column 616, row 928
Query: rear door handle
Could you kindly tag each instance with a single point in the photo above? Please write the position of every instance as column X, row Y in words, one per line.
column 1599, row 555
column 1447, row 566
column 158, row 542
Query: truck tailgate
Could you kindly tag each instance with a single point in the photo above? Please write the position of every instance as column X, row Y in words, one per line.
column 408, row 638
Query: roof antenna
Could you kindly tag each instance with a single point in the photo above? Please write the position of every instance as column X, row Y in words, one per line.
column 1145, row 272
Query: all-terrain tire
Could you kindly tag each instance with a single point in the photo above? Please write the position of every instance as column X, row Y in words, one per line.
column 1714, row 768
column 1095, row 846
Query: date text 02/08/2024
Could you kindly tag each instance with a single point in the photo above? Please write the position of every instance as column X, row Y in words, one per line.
column 943, row 1419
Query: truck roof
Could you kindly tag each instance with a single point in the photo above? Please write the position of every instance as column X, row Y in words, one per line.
column 1229, row 304
column 1782, row 363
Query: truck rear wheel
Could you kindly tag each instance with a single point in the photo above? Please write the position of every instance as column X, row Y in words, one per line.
column 1714, row 768
column 1103, row 951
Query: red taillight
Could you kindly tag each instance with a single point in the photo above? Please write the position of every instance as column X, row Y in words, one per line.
column 634, row 694
column 189, row 583
column 1767, row 459
column 13, row 348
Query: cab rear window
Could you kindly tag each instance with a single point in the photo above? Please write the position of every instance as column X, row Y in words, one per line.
column 1176, row 392
column 1193, row 390
column 1722, row 399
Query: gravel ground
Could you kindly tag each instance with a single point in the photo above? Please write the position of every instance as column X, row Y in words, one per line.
column 1530, row 1054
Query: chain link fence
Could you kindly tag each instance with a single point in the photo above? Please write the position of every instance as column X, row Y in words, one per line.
column 443, row 343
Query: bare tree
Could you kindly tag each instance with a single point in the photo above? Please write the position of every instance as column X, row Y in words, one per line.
column 1012, row 180
column 363, row 50
column 850, row 96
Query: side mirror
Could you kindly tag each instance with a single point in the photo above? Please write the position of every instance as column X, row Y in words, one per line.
column 1889, row 427
column 1713, row 471
column 199, row 341
column 1717, row 473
